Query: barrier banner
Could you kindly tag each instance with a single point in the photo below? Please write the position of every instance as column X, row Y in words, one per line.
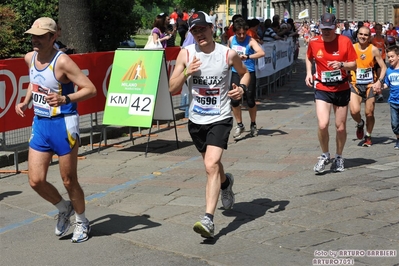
column 14, row 81
column 278, row 55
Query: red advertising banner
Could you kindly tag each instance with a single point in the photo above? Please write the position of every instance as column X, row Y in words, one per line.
column 14, row 81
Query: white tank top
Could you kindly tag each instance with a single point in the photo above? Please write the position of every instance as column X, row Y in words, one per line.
column 209, row 86
column 43, row 82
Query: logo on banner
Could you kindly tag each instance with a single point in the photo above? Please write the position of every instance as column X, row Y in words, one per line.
column 274, row 56
column 7, row 99
column 135, row 72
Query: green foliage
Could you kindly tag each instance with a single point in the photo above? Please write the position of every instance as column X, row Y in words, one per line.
column 7, row 40
column 205, row 6
column 27, row 11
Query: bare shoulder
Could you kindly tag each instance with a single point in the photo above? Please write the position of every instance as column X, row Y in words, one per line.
column 28, row 57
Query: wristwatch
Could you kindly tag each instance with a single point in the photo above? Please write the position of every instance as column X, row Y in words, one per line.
column 342, row 65
column 67, row 99
column 247, row 56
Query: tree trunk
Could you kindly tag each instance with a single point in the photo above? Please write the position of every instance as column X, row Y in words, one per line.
column 76, row 23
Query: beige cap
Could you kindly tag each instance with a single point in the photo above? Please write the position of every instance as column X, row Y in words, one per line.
column 43, row 25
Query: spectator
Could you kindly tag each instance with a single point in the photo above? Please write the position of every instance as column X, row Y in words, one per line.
column 182, row 28
column 270, row 35
column 59, row 45
column 348, row 32
column 223, row 37
column 171, row 31
column 214, row 19
column 173, row 16
column 159, row 30
column 252, row 31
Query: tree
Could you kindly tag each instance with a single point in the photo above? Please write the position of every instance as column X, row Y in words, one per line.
column 26, row 12
column 75, row 17
column 7, row 40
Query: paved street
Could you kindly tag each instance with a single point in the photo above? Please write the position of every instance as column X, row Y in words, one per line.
column 142, row 209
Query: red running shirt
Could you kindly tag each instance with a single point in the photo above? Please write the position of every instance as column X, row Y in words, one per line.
column 340, row 49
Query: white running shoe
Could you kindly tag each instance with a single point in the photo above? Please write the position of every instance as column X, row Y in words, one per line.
column 205, row 227
column 238, row 131
column 338, row 165
column 320, row 166
column 63, row 220
column 81, row 232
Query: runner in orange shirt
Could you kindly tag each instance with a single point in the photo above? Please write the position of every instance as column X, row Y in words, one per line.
column 364, row 83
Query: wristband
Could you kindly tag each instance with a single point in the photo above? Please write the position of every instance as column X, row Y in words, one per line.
column 247, row 59
column 67, row 99
column 342, row 65
column 244, row 87
column 185, row 73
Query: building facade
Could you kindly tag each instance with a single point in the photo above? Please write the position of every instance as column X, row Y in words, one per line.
column 381, row 11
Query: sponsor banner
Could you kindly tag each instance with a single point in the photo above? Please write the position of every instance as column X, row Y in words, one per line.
column 14, row 81
column 278, row 55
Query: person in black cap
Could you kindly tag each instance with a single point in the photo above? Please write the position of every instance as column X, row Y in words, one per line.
column 206, row 66
column 333, row 56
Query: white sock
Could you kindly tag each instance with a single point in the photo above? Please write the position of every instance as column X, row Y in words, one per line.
column 338, row 156
column 326, row 154
column 80, row 218
column 62, row 206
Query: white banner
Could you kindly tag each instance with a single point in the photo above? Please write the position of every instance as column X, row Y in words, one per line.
column 278, row 55
column 303, row 14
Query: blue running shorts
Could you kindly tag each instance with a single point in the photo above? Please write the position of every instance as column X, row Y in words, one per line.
column 57, row 134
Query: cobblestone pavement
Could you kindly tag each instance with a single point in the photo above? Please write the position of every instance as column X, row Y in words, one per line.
column 142, row 208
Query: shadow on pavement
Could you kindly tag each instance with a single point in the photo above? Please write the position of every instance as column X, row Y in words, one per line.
column 113, row 224
column 245, row 212
column 158, row 146
column 8, row 194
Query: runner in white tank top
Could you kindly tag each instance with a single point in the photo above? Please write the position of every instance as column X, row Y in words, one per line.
column 206, row 68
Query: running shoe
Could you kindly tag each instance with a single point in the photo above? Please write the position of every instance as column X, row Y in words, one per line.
column 227, row 195
column 338, row 165
column 63, row 220
column 237, row 133
column 397, row 145
column 81, row 232
column 254, row 131
column 360, row 130
column 321, row 164
column 205, row 227
column 367, row 141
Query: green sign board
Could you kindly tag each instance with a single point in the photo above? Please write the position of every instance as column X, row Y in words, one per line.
column 133, row 87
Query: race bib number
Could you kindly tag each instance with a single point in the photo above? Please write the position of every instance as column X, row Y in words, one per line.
column 41, row 107
column 391, row 39
column 364, row 75
column 206, row 100
column 239, row 49
column 331, row 76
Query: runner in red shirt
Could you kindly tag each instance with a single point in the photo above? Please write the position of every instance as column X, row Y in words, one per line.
column 392, row 34
column 333, row 56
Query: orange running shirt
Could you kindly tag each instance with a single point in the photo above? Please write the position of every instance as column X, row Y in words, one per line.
column 364, row 73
